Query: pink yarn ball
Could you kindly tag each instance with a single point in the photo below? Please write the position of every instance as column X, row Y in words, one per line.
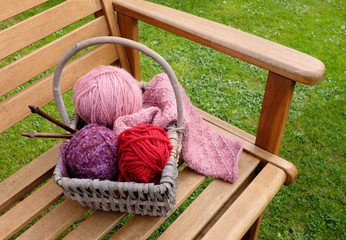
column 106, row 93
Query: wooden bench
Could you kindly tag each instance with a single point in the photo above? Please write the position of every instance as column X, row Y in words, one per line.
column 222, row 210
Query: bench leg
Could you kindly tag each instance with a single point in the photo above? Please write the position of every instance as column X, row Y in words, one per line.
column 129, row 29
column 275, row 107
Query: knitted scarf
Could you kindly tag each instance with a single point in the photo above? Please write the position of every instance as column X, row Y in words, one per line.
column 203, row 149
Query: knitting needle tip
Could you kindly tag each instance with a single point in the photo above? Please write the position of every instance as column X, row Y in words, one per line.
column 29, row 134
column 34, row 109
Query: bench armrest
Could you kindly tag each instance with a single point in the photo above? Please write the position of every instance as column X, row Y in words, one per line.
column 263, row 53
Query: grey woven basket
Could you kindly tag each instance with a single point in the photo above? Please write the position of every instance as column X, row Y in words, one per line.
column 140, row 198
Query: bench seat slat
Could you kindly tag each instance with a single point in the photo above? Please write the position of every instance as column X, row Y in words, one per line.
column 265, row 156
column 208, row 203
column 141, row 227
column 29, row 208
column 96, row 225
column 237, row 219
column 21, row 71
column 26, row 179
column 15, row 108
column 44, row 24
column 56, row 221
column 10, row 8
column 236, row 132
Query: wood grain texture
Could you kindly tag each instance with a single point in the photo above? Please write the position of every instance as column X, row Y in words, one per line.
column 28, row 209
column 274, row 112
column 108, row 11
column 236, row 132
column 141, row 227
column 236, row 221
column 249, row 147
column 55, row 222
column 252, row 233
column 14, row 109
column 129, row 29
column 96, row 225
column 10, row 8
column 227, row 205
column 44, row 24
column 26, row 179
column 20, row 71
column 263, row 53
column 208, row 203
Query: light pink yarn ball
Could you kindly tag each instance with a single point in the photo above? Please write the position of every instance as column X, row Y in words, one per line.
column 106, row 93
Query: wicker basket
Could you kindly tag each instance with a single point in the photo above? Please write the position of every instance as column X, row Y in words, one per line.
column 140, row 198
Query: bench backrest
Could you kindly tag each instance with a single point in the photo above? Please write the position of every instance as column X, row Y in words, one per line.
column 25, row 81
column 28, row 80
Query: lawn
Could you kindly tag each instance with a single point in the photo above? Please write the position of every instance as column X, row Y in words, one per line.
column 313, row 206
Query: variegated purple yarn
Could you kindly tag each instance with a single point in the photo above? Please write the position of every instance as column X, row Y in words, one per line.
column 106, row 93
column 91, row 153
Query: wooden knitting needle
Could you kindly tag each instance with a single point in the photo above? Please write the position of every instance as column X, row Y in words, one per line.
column 35, row 109
column 47, row 135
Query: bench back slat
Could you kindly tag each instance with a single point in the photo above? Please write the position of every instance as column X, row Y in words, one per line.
column 10, row 8
column 21, row 71
column 41, row 25
column 15, row 108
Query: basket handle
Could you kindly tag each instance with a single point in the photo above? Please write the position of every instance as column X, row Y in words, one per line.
column 121, row 41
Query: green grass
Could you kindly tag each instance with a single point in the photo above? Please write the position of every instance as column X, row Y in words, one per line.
column 313, row 206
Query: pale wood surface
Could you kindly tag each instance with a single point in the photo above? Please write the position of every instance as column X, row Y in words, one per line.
column 236, row 132
column 129, row 29
column 235, row 222
column 26, row 179
column 43, row 24
column 10, row 8
column 245, row 200
column 16, row 218
column 108, row 11
column 56, row 221
column 227, row 205
column 20, row 71
column 141, row 227
column 252, row 49
column 208, row 203
column 15, row 108
column 253, row 232
column 248, row 147
column 274, row 112
column 96, row 225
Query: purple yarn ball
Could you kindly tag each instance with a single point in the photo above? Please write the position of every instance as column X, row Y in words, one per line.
column 91, row 153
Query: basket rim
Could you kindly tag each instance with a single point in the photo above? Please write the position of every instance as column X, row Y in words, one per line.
column 58, row 177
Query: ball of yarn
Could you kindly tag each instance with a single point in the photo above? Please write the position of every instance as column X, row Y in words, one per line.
column 106, row 93
column 143, row 153
column 91, row 153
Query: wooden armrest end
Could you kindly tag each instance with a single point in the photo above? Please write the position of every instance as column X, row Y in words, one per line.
column 263, row 53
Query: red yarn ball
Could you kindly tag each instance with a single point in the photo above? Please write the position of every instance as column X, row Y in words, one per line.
column 143, row 153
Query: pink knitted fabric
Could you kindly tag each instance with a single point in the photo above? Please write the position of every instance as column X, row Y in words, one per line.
column 203, row 149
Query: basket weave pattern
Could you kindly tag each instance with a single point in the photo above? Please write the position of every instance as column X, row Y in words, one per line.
column 139, row 198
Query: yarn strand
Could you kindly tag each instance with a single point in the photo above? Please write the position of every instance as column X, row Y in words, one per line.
column 143, row 153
